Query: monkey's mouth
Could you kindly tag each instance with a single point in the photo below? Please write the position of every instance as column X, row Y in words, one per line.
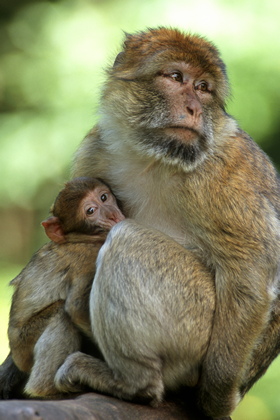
column 182, row 132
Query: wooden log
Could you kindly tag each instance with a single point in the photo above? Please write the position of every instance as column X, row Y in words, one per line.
column 93, row 406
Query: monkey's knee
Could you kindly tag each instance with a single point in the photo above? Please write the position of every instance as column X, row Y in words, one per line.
column 38, row 385
column 41, row 382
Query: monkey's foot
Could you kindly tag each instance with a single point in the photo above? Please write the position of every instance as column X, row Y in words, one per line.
column 81, row 369
column 65, row 379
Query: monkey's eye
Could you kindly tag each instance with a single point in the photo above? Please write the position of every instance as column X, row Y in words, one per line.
column 104, row 197
column 176, row 76
column 202, row 86
column 90, row 211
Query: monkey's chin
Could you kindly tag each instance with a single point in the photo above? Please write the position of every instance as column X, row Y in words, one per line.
column 184, row 134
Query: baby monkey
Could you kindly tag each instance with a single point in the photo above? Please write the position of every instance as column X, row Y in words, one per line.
column 49, row 310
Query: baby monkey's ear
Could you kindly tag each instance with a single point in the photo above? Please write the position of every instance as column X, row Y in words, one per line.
column 53, row 229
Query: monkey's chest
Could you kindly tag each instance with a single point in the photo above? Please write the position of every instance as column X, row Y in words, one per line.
column 153, row 203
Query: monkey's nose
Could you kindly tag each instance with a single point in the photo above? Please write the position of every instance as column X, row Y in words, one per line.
column 116, row 217
column 194, row 108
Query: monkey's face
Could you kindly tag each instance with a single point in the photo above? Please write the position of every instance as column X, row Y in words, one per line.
column 86, row 205
column 166, row 96
column 99, row 208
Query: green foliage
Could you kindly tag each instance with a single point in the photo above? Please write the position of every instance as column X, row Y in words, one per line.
column 52, row 60
column 51, row 67
column 7, row 273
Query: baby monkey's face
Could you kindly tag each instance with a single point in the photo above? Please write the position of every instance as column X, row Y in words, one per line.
column 99, row 207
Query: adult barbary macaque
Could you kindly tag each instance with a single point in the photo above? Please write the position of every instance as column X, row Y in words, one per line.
column 179, row 163
column 50, row 303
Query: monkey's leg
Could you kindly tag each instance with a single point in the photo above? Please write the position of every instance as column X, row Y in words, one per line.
column 59, row 339
column 79, row 368
column 151, row 323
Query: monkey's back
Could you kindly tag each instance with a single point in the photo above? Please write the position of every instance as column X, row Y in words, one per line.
column 42, row 287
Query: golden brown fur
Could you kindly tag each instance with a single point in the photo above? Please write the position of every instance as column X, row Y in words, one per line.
column 50, row 306
column 179, row 163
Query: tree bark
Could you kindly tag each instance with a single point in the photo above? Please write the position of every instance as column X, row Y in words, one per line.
column 93, row 406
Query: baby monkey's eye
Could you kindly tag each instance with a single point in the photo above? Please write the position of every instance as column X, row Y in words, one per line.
column 104, row 197
column 90, row 211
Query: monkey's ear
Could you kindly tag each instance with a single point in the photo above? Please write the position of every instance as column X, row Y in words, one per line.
column 53, row 229
column 119, row 59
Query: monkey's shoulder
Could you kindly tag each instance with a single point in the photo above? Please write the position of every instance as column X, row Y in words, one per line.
column 241, row 163
column 38, row 263
column 90, row 158
column 252, row 153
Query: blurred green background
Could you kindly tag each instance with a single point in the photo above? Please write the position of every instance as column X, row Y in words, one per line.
column 52, row 60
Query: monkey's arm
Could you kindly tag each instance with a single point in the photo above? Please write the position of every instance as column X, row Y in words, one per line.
column 266, row 351
column 83, row 257
column 77, row 302
column 243, row 235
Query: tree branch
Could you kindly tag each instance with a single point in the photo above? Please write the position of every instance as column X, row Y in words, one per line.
column 93, row 406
